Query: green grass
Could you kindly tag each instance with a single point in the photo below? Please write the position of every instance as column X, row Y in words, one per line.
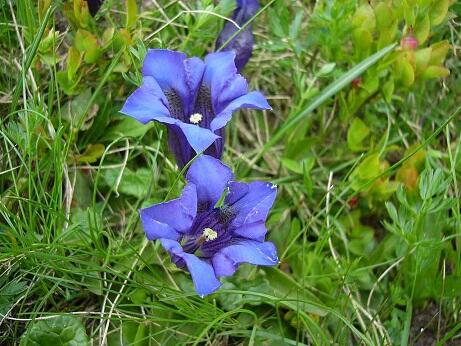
column 366, row 257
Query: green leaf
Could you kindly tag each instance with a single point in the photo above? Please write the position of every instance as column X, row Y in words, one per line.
column 132, row 183
column 435, row 72
column 292, row 165
column 82, row 13
column 74, row 59
column 422, row 29
column 59, row 331
column 439, row 11
column 92, row 153
column 388, row 89
column 369, row 168
column 74, row 110
column 364, row 18
column 356, row 134
column 439, row 52
column 422, row 58
column 128, row 127
column 326, row 69
column 87, row 43
column 363, row 40
column 384, row 16
column 405, row 72
column 14, row 287
column 131, row 13
column 68, row 86
column 409, row 14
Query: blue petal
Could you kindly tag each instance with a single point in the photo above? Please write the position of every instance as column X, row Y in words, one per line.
column 256, row 231
column 233, row 89
column 219, row 72
column 254, row 100
column 169, row 219
column 251, row 202
column 179, row 145
column 203, row 275
column 211, row 177
column 226, row 260
column 147, row 103
column 199, row 138
column 173, row 71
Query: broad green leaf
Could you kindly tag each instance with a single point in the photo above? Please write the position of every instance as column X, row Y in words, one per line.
column 409, row 14
column 435, row 72
column 363, row 40
column 439, row 52
column 356, row 134
column 384, row 16
column 92, row 153
column 422, row 29
column 128, row 127
column 87, row 43
column 364, row 18
column 326, row 69
column 74, row 110
column 59, row 331
column 74, row 59
column 388, row 89
column 422, row 58
column 405, row 72
column 68, row 86
column 369, row 168
column 132, row 183
column 439, row 11
column 292, row 165
column 82, row 13
column 131, row 13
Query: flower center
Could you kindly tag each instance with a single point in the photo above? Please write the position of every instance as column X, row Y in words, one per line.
column 209, row 234
column 196, row 118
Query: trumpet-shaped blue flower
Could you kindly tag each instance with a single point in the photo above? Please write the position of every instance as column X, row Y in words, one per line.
column 212, row 241
column 195, row 99
column 242, row 44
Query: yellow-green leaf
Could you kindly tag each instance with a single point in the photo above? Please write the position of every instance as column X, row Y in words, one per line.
column 435, row 72
column 422, row 29
column 405, row 72
column 388, row 89
column 384, row 16
column 74, row 59
column 369, row 168
column 82, row 13
column 439, row 11
column 356, row 134
column 422, row 58
column 362, row 41
column 364, row 17
column 439, row 52
column 92, row 153
column 131, row 13
column 87, row 43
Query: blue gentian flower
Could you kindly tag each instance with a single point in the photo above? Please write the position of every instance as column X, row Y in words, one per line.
column 212, row 241
column 195, row 99
column 242, row 44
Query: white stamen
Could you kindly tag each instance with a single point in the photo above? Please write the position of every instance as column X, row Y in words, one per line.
column 209, row 234
column 196, row 118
